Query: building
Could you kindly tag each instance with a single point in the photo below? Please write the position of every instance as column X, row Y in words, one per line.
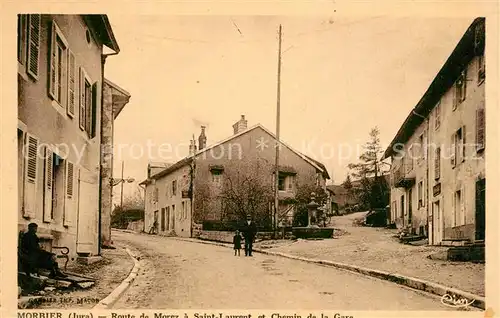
column 60, row 92
column 438, row 154
column 114, row 100
column 188, row 192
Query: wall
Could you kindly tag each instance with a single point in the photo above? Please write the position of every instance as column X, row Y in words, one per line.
column 466, row 173
column 48, row 121
column 136, row 226
column 462, row 177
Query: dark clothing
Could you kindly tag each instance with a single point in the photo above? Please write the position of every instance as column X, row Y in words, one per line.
column 33, row 257
column 249, row 232
column 237, row 242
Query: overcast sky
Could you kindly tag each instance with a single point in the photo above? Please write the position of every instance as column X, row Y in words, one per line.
column 340, row 78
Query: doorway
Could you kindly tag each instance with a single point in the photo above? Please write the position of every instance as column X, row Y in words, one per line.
column 480, row 209
column 410, row 194
column 437, row 231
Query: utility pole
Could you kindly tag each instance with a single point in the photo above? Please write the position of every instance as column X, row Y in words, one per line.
column 121, row 192
column 276, row 173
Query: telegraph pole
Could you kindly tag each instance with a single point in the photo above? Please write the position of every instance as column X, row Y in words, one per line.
column 276, row 173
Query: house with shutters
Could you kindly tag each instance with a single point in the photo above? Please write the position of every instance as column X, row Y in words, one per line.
column 187, row 193
column 438, row 155
column 60, row 129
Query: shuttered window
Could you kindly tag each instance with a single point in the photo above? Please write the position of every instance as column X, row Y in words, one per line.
column 31, row 174
column 22, row 28
column 460, row 89
column 69, row 180
column 33, row 62
column 32, row 158
column 480, row 129
column 48, row 211
column 71, row 84
column 437, row 164
column 58, row 64
column 453, row 150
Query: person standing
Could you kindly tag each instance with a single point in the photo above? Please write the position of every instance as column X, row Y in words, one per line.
column 237, row 243
column 249, row 233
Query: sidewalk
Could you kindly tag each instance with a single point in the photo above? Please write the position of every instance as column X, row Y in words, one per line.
column 377, row 249
column 114, row 267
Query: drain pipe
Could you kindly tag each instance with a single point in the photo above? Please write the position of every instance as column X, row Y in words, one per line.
column 103, row 61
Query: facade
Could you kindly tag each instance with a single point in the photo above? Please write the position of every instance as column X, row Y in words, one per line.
column 114, row 100
column 60, row 83
column 438, row 155
column 187, row 193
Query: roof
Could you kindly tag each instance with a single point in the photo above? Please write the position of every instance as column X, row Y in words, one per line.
column 187, row 160
column 101, row 25
column 120, row 97
column 461, row 56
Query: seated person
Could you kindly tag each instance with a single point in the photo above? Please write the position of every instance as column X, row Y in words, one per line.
column 34, row 257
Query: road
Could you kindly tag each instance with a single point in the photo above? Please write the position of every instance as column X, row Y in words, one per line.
column 178, row 274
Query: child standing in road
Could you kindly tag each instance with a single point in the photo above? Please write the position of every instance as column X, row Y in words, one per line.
column 237, row 243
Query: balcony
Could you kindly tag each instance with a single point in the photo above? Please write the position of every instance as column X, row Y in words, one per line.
column 404, row 176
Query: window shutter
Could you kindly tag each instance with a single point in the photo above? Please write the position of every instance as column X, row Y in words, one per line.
column 437, row 164
column 30, row 178
column 93, row 115
column 21, row 38
column 53, row 62
column 48, row 203
column 463, row 146
column 69, row 205
column 453, row 150
column 82, row 99
column 34, row 26
column 480, row 129
column 462, row 206
column 424, row 194
column 71, row 84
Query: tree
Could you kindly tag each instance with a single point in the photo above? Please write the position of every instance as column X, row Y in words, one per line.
column 372, row 191
column 132, row 210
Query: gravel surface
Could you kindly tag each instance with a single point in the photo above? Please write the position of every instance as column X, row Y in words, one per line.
column 376, row 248
column 109, row 273
column 177, row 274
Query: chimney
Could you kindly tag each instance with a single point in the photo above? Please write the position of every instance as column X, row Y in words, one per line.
column 202, row 140
column 192, row 147
column 240, row 125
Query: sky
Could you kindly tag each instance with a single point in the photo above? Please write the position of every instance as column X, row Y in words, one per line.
column 340, row 78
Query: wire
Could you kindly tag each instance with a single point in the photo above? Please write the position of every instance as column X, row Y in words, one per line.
column 333, row 26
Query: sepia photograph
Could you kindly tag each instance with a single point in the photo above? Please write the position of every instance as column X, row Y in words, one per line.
column 251, row 161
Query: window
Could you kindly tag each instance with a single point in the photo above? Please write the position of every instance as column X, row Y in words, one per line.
column 437, row 115
column 22, row 29
column 174, row 187
column 290, row 180
column 33, row 38
column 460, row 89
column 184, row 216
column 459, row 208
column 281, row 182
column 88, row 104
column 421, row 194
column 481, row 72
column 155, row 195
column 163, row 217
column 217, row 176
column 409, row 159
column 458, row 147
column 54, row 171
column 480, row 129
column 58, row 66
column 421, row 153
column 437, row 164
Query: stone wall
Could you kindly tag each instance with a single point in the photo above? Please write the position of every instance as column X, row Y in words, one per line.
column 136, row 226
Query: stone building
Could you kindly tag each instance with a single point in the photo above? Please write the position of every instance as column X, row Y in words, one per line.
column 438, row 154
column 60, row 84
column 187, row 193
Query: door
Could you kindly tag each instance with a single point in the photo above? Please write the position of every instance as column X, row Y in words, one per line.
column 410, row 195
column 88, row 211
column 402, row 210
column 481, row 209
column 437, row 222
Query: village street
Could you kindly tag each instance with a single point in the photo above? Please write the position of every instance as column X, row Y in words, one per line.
column 180, row 274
